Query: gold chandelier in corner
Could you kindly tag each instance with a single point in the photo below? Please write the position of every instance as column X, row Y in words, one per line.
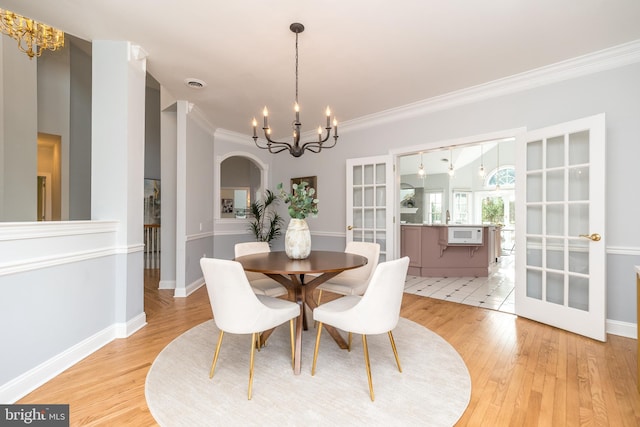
column 296, row 149
column 32, row 36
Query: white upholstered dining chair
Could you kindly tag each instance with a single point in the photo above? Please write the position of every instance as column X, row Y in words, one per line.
column 355, row 281
column 376, row 312
column 261, row 284
column 238, row 310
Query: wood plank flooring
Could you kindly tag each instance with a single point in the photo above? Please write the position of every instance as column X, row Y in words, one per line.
column 523, row 373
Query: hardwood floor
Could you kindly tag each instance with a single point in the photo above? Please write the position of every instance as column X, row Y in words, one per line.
column 523, row 373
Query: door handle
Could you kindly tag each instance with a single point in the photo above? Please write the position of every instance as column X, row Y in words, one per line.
column 350, row 228
column 594, row 237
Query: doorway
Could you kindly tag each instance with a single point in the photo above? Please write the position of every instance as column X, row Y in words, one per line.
column 470, row 182
column 49, row 178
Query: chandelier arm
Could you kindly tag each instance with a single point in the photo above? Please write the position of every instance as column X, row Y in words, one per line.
column 321, row 142
column 271, row 141
column 255, row 139
column 314, row 147
column 279, row 149
column 335, row 140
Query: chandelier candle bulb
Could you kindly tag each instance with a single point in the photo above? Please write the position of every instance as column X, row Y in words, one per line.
column 265, row 113
column 255, row 125
column 335, row 127
column 296, row 107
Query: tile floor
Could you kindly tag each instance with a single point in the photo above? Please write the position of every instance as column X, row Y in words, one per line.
column 494, row 292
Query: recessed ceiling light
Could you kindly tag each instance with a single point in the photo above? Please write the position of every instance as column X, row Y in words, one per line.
column 194, row 83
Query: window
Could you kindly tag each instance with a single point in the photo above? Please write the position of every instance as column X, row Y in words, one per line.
column 502, row 177
column 434, row 208
column 461, row 207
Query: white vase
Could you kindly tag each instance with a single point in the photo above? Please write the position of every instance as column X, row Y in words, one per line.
column 297, row 239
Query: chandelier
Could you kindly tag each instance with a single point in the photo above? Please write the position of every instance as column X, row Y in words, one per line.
column 33, row 37
column 296, row 148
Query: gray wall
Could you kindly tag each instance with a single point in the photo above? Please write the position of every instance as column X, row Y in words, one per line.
column 152, row 134
column 199, row 199
column 615, row 92
column 18, row 136
column 80, row 135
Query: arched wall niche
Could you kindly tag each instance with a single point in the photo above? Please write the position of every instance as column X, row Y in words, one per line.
column 237, row 172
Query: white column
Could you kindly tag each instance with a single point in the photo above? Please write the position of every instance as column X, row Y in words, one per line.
column 117, row 166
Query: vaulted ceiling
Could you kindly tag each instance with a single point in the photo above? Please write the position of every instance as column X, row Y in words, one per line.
column 358, row 56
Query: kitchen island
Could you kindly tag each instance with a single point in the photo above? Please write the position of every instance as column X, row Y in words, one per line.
column 433, row 254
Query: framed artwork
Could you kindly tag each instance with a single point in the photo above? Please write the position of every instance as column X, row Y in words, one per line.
column 152, row 201
column 311, row 180
column 227, row 206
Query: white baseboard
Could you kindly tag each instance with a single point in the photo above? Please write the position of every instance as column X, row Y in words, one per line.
column 167, row 284
column 191, row 288
column 34, row 378
column 623, row 329
column 124, row 330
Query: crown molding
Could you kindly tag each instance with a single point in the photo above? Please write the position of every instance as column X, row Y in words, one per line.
column 194, row 113
column 607, row 59
column 235, row 137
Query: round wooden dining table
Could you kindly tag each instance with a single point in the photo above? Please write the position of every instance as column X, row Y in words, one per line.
column 319, row 267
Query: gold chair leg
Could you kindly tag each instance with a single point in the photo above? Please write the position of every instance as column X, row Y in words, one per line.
column 395, row 351
column 315, row 352
column 292, row 343
column 315, row 324
column 215, row 356
column 350, row 341
column 368, row 366
column 253, row 350
column 258, row 341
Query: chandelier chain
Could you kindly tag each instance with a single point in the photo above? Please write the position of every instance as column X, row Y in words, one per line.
column 296, row 67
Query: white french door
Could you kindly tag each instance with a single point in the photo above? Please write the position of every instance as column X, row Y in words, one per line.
column 370, row 196
column 561, row 251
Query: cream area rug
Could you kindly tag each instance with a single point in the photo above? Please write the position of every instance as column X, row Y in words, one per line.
column 433, row 389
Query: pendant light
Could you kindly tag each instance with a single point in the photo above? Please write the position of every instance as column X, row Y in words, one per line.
column 451, row 170
column 421, row 171
column 481, row 171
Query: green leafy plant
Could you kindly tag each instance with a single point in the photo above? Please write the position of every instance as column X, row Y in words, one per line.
column 301, row 201
column 266, row 224
column 493, row 210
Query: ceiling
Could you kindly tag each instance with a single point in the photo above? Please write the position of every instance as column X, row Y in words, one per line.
column 358, row 56
column 437, row 161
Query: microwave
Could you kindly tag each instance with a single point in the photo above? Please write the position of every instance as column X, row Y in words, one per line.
column 465, row 235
